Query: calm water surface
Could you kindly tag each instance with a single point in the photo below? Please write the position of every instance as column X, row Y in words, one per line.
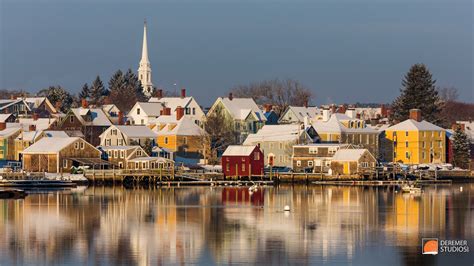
column 203, row 225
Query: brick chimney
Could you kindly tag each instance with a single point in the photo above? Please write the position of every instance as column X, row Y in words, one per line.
column 305, row 104
column 415, row 114
column 341, row 109
column 120, row 118
column 32, row 128
column 183, row 92
column 3, row 125
column 166, row 111
column 179, row 112
column 268, row 107
column 84, row 103
column 231, row 96
column 35, row 116
column 333, row 109
column 159, row 93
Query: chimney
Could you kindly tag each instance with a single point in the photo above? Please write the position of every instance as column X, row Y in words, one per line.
column 326, row 114
column 231, row 96
column 333, row 109
column 32, row 128
column 351, row 112
column 179, row 112
column 305, row 104
column 268, row 108
column 415, row 114
column 3, row 125
column 166, row 111
column 341, row 109
column 159, row 93
column 183, row 92
column 383, row 110
column 84, row 103
column 120, row 118
column 35, row 116
column 358, row 116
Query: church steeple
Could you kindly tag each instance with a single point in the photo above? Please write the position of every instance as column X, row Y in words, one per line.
column 144, row 70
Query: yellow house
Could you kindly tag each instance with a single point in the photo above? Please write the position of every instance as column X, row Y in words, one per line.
column 415, row 141
column 7, row 141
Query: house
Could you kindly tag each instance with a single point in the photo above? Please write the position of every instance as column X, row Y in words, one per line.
column 40, row 105
column 182, row 136
column 243, row 113
column 145, row 113
column 149, row 163
column 315, row 158
column 24, row 140
column 468, row 128
column 297, row 114
column 242, row 160
column 125, row 135
column 192, row 110
column 58, row 155
column 7, row 118
column 277, row 141
column 270, row 115
column 91, row 122
column 113, row 113
column 120, row 155
column 341, row 128
column 415, row 141
column 17, row 107
column 7, row 141
column 352, row 161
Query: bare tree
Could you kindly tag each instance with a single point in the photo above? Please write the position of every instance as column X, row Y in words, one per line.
column 279, row 93
column 448, row 94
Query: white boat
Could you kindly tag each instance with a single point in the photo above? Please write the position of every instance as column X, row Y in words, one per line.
column 411, row 189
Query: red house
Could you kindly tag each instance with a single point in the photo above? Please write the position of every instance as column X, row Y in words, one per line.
column 242, row 160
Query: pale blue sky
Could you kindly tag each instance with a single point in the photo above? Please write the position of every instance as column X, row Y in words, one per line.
column 346, row 51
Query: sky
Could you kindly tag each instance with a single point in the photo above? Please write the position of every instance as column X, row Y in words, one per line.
column 345, row 51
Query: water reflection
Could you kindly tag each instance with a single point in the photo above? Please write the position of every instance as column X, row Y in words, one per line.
column 110, row 226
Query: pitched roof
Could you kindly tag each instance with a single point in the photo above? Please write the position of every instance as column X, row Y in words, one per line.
column 40, row 123
column 286, row 132
column 151, row 108
column 348, row 154
column 4, row 103
column 4, row 117
column 172, row 102
column 334, row 125
column 99, row 118
column 55, row 134
column 123, row 147
column 239, row 150
column 35, row 102
column 50, row 145
column 7, row 132
column 136, row 131
column 240, row 108
column 301, row 111
column 410, row 124
column 183, row 127
column 29, row 135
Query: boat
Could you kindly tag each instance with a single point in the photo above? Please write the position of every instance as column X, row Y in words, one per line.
column 37, row 183
column 411, row 189
column 12, row 194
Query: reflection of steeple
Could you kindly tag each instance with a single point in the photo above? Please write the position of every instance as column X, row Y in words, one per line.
column 144, row 70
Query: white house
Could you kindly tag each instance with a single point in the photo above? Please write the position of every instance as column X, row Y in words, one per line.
column 192, row 109
column 145, row 113
column 117, row 135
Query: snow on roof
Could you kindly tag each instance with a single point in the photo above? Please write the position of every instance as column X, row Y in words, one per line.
column 29, row 135
column 149, row 159
column 50, row 145
column 301, row 111
column 468, row 128
column 151, row 108
column 6, row 103
column 286, row 132
column 4, row 117
column 341, row 145
column 35, row 102
column 122, row 147
column 99, row 118
column 183, row 127
column 7, row 132
column 239, row 150
column 335, row 126
column 348, row 154
column 172, row 102
column 410, row 124
column 40, row 123
column 136, row 131
column 55, row 134
column 240, row 108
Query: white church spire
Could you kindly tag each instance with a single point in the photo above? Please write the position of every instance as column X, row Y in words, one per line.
column 144, row 70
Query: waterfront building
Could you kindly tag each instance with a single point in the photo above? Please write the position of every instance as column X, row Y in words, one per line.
column 276, row 141
column 121, row 155
column 415, row 141
column 88, row 123
column 352, row 161
column 243, row 113
column 126, row 135
column 7, row 141
column 242, row 160
column 298, row 114
column 144, row 69
column 315, row 157
column 191, row 107
column 59, row 154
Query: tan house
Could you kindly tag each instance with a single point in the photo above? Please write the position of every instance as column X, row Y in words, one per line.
column 352, row 162
column 315, row 158
column 58, row 155
column 117, row 135
column 120, row 155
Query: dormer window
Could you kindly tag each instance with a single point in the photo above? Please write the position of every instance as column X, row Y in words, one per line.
column 138, row 111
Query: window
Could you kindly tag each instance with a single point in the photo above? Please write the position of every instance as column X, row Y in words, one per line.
column 395, row 155
column 407, row 155
column 313, row 150
column 139, row 153
column 423, row 134
column 364, row 164
column 137, row 165
column 310, row 163
column 71, row 119
column 440, row 134
column 406, row 144
column 194, row 111
column 82, row 145
column 298, row 163
column 120, row 164
column 431, row 144
column 64, row 163
column 406, row 133
column 188, row 110
column 143, row 121
column 138, row 111
column 115, row 154
column 271, row 145
column 185, row 140
column 120, row 142
column 166, row 140
column 432, row 134
column 107, row 142
column 280, row 158
column 423, row 144
column 441, row 144
column 256, row 155
column 423, row 155
column 76, row 145
column 243, row 167
column 281, row 145
column 227, row 167
column 243, row 159
column 122, row 153
column 114, row 132
column 394, row 134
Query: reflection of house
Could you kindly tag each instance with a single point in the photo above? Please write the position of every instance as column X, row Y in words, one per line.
column 414, row 141
column 117, row 135
column 352, row 161
column 58, row 155
column 243, row 113
column 240, row 160
column 297, row 114
column 276, row 141
column 314, row 157
column 234, row 195
column 192, row 109
column 91, row 122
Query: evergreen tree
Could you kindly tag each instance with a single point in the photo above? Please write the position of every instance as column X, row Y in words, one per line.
column 125, row 90
column 85, row 92
column 58, row 97
column 418, row 92
column 461, row 151
column 97, row 91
